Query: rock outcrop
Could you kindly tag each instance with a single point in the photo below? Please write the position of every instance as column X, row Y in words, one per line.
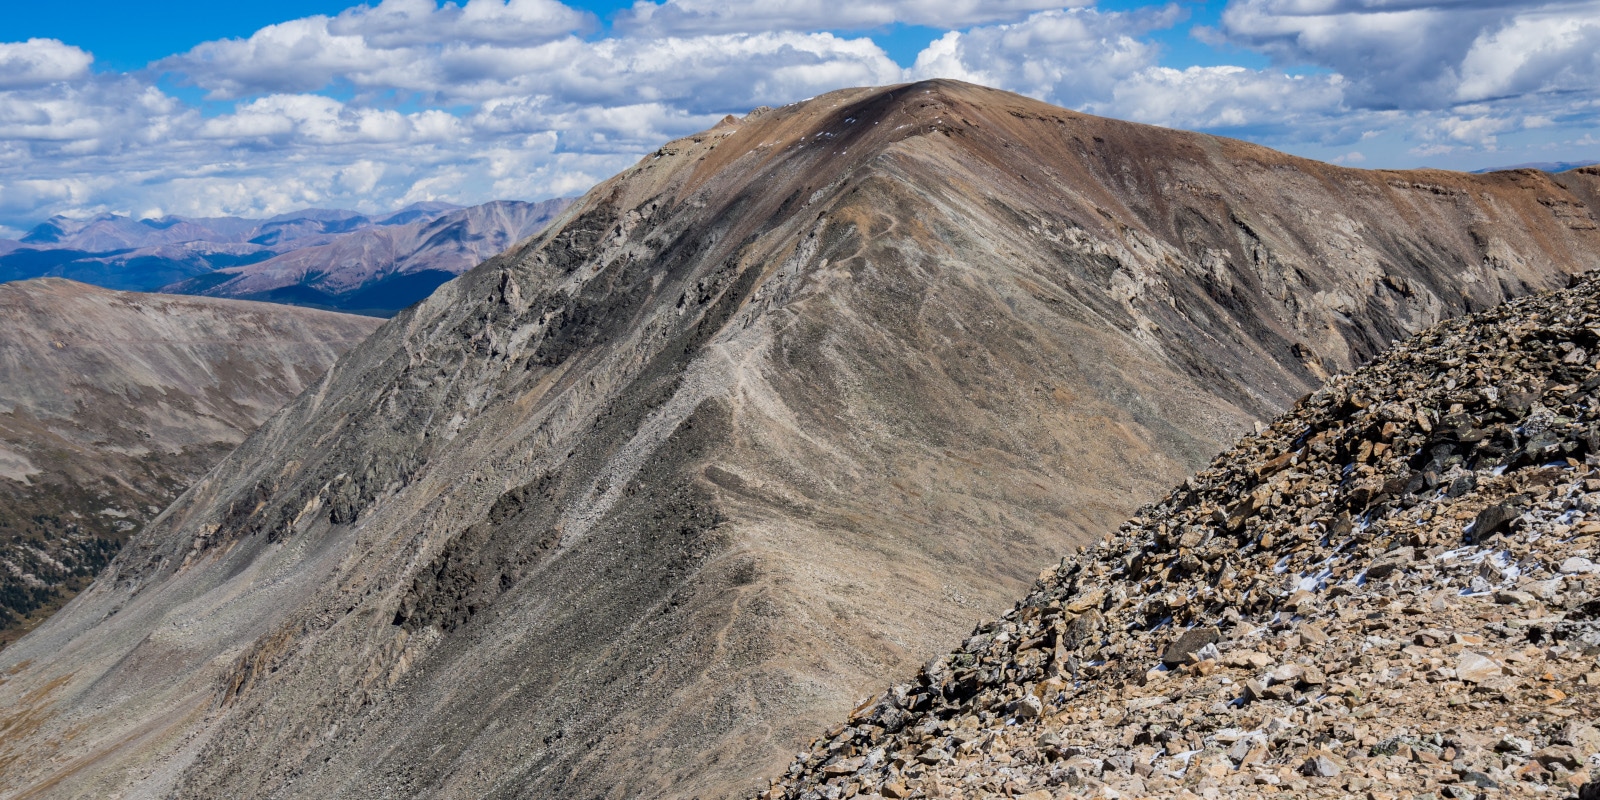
column 112, row 403
column 1392, row 591
column 766, row 418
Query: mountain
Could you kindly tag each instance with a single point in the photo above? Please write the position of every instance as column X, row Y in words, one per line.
column 381, row 270
column 1545, row 166
column 111, row 232
column 764, row 420
column 107, row 232
column 332, row 259
column 117, row 252
column 1393, row 588
column 112, row 404
column 142, row 269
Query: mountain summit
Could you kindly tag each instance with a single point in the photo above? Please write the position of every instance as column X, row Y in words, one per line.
column 774, row 414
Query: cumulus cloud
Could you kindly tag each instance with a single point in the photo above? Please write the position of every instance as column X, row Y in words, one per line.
column 38, row 62
column 710, row 71
column 90, row 116
column 1104, row 63
column 1222, row 98
column 319, row 120
column 1546, row 49
column 1422, row 54
column 408, row 23
column 295, row 56
column 724, row 16
column 1069, row 56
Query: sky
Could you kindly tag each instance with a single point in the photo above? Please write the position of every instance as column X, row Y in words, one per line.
column 251, row 108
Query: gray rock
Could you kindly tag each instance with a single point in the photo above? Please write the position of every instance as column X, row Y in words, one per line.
column 1515, row 745
column 1320, row 767
column 1189, row 642
column 1490, row 522
column 1475, row 668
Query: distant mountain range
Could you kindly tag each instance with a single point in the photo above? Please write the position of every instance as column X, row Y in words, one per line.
column 1543, row 166
column 320, row 258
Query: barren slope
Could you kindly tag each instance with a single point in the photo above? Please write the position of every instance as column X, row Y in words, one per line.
column 112, row 403
column 1391, row 590
column 773, row 414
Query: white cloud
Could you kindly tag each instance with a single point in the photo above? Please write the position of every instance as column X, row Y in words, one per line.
column 1106, row 63
column 1070, row 57
column 95, row 115
column 26, row 195
column 1100, row 62
column 37, row 62
column 1426, row 54
column 1434, row 150
column 1550, row 49
column 296, row 56
column 1223, row 97
column 725, row 16
column 1471, row 130
column 111, row 143
column 318, row 120
column 722, row 71
column 408, row 23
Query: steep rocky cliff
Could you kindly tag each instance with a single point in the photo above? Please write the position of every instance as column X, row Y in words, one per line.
column 112, row 403
column 775, row 413
column 1391, row 592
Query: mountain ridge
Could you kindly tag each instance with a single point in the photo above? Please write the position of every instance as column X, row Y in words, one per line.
column 631, row 507
column 110, row 231
column 338, row 274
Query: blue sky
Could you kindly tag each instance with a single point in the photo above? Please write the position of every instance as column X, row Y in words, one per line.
column 195, row 108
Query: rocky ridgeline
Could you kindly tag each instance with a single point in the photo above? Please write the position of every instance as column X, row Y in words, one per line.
column 1391, row 592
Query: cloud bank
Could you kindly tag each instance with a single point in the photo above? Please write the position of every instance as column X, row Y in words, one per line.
column 408, row 100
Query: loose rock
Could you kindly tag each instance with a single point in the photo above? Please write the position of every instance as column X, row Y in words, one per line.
column 1386, row 593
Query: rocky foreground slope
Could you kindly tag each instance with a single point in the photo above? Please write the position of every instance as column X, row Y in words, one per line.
column 632, row 509
column 113, row 403
column 1393, row 591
